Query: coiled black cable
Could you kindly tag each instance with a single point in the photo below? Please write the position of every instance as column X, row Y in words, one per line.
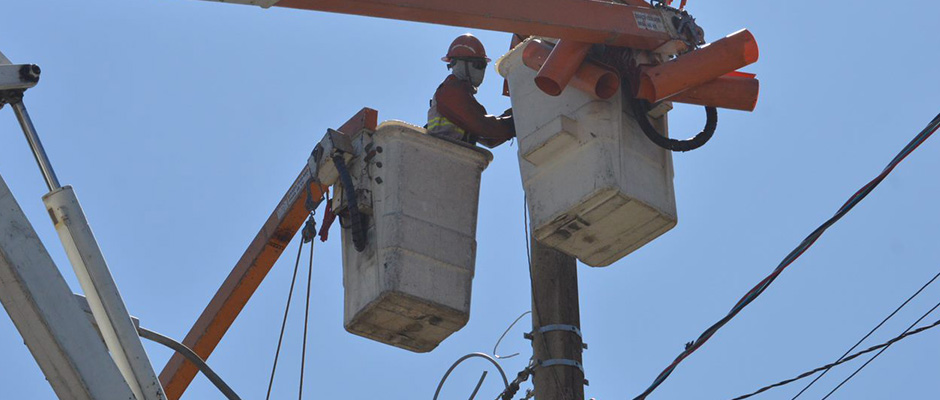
column 642, row 107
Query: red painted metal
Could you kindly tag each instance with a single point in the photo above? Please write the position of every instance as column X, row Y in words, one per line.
column 698, row 67
column 590, row 77
column 588, row 21
column 250, row 270
column 561, row 65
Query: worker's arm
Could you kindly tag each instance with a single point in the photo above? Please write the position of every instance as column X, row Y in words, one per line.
column 456, row 103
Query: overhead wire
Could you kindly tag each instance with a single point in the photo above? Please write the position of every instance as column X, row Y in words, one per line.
column 280, row 338
column 752, row 294
column 841, row 359
column 861, row 367
column 872, row 331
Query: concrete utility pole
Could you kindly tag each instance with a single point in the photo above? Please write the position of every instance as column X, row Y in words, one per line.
column 556, row 325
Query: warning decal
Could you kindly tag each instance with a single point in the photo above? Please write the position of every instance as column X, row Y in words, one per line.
column 650, row 22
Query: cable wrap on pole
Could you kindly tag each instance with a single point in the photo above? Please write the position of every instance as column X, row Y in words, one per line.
column 642, row 107
column 357, row 224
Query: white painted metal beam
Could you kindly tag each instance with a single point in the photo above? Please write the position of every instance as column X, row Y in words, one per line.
column 107, row 306
column 41, row 305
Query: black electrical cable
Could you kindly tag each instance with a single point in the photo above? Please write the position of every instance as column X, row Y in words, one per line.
column 841, row 359
column 357, row 222
column 640, row 111
column 879, row 353
column 193, row 358
column 808, row 242
column 280, row 338
column 871, row 332
column 844, row 360
column 303, row 351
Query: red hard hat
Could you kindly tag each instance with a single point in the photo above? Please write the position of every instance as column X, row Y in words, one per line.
column 465, row 46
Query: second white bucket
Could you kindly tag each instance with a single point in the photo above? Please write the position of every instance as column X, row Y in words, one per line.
column 597, row 188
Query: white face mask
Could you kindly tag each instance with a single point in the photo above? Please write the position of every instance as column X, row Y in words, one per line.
column 464, row 70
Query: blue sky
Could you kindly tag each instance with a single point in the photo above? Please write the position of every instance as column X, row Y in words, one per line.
column 181, row 123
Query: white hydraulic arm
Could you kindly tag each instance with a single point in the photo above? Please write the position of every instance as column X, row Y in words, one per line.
column 111, row 316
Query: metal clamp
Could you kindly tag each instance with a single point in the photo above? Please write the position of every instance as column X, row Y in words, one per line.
column 560, row 327
column 565, row 362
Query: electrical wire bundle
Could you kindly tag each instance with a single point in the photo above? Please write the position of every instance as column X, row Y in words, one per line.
column 752, row 294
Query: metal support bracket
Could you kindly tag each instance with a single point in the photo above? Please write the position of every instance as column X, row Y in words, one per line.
column 562, row 327
column 559, row 327
column 561, row 361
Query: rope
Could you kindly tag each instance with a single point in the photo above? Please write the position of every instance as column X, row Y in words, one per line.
column 280, row 338
column 308, row 236
column 752, row 294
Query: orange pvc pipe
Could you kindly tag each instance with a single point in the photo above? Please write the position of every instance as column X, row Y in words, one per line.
column 732, row 91
column 590, row 77
column 562, row 63
column 698, row 67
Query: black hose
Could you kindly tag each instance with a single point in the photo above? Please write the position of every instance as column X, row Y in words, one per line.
column 357, row 224
column 642, row 107
column 193, row 358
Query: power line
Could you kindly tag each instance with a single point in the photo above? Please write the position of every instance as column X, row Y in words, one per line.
column 841, row 359
column 879, row 353
column 870, row 332
column 844, row 360
column 752, row 294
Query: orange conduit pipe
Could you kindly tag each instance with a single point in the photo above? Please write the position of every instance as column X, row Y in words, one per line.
column 562, row 63
column 698, row 67
column 590, row 77
column 735, row 91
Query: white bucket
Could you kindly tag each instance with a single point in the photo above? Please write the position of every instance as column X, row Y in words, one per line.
column 411, row 286
column 597, row 188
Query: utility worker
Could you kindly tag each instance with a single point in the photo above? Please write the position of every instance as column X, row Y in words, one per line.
column 454, row 112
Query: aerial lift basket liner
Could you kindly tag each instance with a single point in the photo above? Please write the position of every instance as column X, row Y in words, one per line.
column 411, row 286
column 596, row 187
